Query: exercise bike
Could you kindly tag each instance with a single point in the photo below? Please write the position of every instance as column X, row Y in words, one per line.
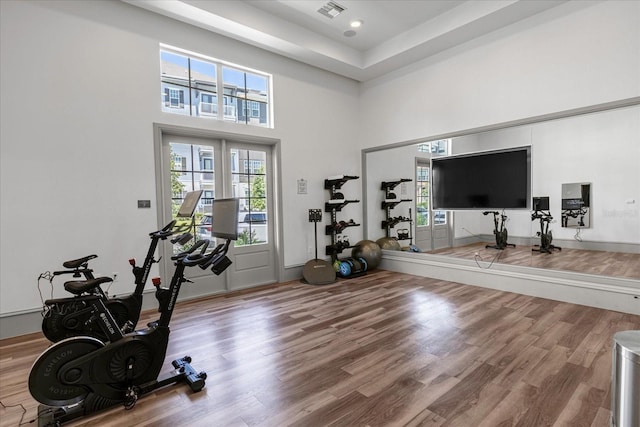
column 68, row 317
column 71, row 316
column 499, row 230
column 573, row 213
column 82, row 375
column 546, row 237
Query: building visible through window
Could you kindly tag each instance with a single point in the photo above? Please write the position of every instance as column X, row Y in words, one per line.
column 189, row 86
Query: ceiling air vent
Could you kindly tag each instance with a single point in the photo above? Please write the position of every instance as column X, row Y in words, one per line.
column 331, row 10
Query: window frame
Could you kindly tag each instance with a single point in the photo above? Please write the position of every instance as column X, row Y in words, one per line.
column 237, row 108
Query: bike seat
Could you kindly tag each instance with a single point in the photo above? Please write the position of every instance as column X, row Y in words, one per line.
column 77, row 263
column 78, row 287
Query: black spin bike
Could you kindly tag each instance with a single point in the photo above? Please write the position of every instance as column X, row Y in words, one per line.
column 72, row 316
column 499, row 230
column 546, row 237
column 82, row 375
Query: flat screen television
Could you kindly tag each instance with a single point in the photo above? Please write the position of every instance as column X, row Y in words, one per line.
column 499, row 179
column 224, row 218
column 572, row 204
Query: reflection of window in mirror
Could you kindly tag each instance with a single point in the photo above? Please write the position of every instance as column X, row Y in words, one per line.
column 430, row 223
column 422, row 195
column 576, row 202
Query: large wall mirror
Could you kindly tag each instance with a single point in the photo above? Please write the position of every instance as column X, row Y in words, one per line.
column 584, row 177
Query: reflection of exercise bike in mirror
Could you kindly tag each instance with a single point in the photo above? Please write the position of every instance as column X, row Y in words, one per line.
column 82, row 375
column 575, row 208
column 545, row 234
column 499, row 230
column 72, row 316
column 573, row 213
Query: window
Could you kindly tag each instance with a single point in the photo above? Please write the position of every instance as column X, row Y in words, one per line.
column 208, row 104
column 254, row 107
column 175, row 98
column 422, row 195
column 179, row 164
column 435, row 149
column 252, row 166
column 206, row 163
column 190, row 85
column 207, row 197
column 247, row 92
column 249, row 185
column 192, row 169
column 439, row 148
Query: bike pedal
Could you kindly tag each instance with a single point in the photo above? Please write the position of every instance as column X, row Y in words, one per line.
column 130, row 398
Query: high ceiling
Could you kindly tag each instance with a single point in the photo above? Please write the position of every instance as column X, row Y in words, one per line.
column 393, row 34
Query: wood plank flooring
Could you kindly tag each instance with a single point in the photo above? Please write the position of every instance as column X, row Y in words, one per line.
column 617, row 264
column 385, row 349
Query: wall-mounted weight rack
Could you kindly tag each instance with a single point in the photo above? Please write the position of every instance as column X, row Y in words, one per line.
column 336, row 203
column 391, row 201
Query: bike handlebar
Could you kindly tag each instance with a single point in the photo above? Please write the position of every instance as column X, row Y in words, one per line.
column 182, row 238
column 169, row 226
column 197, row 258
column 200, row 243
column 220, row 249
column 170, row 229
column 165, row 232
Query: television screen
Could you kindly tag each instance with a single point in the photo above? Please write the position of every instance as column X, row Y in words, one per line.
column 498, row 179
column 572, row 204
column 224, row 218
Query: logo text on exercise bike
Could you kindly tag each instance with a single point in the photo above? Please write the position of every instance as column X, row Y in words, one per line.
column 107, row 323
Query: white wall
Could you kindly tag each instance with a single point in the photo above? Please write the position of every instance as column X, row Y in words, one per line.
column 80, row 93
column 575, row 55
column 601, row 149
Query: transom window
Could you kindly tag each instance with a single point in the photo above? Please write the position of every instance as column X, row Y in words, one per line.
column 190, row 86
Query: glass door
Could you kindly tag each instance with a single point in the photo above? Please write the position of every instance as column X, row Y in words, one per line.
column 433, row 227
column 220, row 169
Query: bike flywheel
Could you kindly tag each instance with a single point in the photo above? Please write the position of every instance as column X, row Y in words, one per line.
column 44, row 383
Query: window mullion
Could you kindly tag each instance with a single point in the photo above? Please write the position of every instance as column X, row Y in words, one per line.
column 189, row 84
column 220, row 92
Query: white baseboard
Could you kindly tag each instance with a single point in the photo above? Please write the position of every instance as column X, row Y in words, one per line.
column 30, row 321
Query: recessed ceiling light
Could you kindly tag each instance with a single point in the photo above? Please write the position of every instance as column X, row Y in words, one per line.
column 349, row 33
column 356, row 23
